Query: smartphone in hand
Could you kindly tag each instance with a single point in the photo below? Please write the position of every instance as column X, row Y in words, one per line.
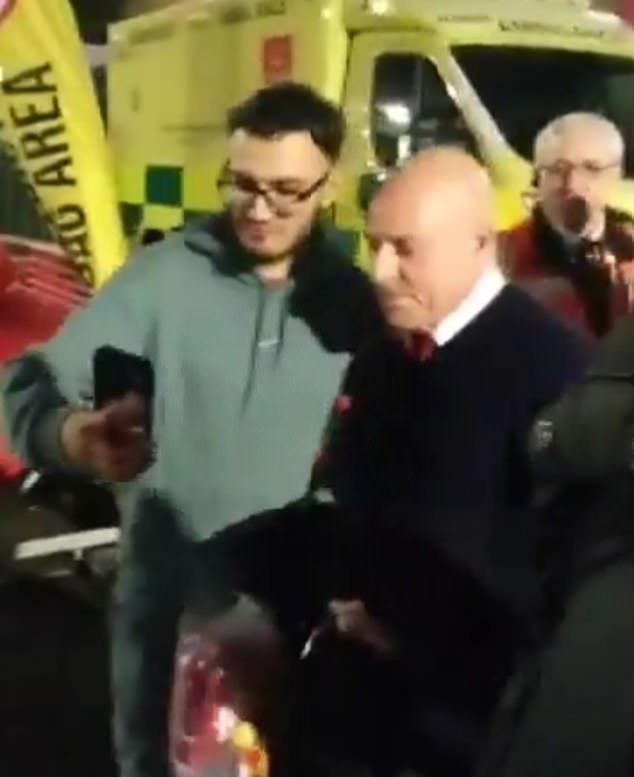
column 117, row 373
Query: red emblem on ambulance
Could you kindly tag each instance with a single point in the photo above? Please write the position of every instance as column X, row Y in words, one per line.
column 277, row 58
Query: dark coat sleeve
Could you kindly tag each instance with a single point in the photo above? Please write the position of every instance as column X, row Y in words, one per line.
column 588, row 435
column 560, row 356
column 577, row 717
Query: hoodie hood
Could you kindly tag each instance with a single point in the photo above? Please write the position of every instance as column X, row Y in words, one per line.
column 327, row 289
column 325, row 249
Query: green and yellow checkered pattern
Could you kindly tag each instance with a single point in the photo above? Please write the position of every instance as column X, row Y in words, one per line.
column 164, row 197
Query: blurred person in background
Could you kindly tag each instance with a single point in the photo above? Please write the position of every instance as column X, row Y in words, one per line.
column 574, row 252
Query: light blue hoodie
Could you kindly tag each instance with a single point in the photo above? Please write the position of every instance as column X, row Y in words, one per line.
column 245, row 373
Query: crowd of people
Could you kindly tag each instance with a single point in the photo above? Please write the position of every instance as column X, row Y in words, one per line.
column 434, row 457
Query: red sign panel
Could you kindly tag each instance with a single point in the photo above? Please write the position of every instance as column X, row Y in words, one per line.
column 277, row 58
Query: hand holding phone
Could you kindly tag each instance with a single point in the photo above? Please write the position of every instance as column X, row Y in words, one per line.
column 118, row 374
column 113, row 441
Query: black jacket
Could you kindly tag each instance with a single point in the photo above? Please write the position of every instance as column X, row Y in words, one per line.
column 569, row 710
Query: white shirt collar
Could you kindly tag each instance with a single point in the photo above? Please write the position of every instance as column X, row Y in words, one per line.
column 486, row 289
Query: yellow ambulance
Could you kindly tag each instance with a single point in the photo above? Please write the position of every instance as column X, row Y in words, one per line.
column 486, row 74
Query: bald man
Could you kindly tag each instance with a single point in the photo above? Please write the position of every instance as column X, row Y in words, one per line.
column 415, row 552
column 427, row 453
column 574, row 252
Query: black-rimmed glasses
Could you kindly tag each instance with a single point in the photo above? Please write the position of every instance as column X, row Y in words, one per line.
column 280, row 196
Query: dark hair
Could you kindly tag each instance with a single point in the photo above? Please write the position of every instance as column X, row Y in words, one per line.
column 291, row 107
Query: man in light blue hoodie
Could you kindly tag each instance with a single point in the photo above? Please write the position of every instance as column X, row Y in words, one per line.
column 249, row 319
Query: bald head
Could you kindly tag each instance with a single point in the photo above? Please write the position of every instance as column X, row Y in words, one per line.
column 431, row 234
column 577, row 155
column 445, row 177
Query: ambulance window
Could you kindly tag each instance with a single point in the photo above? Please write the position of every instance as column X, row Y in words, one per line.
column 412, row 110
column 524, row 89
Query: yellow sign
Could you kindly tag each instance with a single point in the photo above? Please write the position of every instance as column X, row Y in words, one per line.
column 50, row 123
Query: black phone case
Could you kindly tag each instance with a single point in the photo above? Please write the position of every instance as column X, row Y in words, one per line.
column 117, row 373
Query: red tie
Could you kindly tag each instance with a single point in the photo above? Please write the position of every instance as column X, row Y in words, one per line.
column 422, row 346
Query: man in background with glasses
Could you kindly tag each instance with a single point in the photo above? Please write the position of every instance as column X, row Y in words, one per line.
column 249, row 319
column 575, row 252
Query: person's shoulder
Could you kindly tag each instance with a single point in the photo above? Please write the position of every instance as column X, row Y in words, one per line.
column 541, row 337
column 343, row 291
column 151, row 260
column 515, row 249
column 517, row 234
column 619, row 216
column 531, row 315
column 185, row 253
column 338, row 257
